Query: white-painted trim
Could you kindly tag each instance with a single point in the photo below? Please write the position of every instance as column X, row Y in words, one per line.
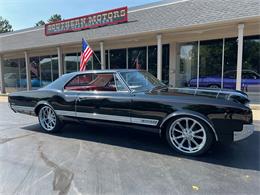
column 239, row 55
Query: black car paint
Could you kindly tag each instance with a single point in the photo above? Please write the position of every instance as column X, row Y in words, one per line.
column 211, row 106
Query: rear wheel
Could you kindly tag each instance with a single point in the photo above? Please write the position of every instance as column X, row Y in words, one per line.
column 189, row 136
column 49, row 120
column 214, row 86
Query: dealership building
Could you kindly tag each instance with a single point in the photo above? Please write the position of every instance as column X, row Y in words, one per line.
column 175, row 40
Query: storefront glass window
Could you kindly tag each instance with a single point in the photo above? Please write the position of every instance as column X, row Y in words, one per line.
column 152, row 60
column 55, row 67
column 165, row 63
column 11, row 74
column 96, row 62
column 45, row 72
column 35, row 72
column 230, row 63
column 251, row 65
column 117, row 58
column 187, row 67
column 137, row 58
column 210, row 67
column 71, row 62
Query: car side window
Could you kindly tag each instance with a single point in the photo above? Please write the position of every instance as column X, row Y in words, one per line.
column 119, row 85
column 94, row 82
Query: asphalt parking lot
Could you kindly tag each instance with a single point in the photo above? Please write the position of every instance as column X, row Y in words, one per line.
column 86, row 159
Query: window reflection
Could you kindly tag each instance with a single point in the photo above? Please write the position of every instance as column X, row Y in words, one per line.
column 210, row 63
column 251, row 64
column 152, row 60
column 137, row 58
column 117, row 58
column 71, row 62
column 187, row 65
column 165, row 63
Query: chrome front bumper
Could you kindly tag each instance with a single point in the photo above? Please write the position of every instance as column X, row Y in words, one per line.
column 246, row 132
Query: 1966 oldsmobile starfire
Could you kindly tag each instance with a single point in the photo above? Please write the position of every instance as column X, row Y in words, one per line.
column 191, row 119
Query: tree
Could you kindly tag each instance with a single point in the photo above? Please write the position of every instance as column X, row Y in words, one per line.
column 5, row 26
column 40, row 23
column 55, row 18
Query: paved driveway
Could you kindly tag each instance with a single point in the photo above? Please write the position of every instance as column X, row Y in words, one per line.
column 86, row 159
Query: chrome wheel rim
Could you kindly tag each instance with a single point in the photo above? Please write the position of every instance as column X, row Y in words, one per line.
column 187, row 135
column 47, row 118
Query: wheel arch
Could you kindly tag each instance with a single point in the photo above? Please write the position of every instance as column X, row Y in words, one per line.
column 187, row 113
column 39, row 105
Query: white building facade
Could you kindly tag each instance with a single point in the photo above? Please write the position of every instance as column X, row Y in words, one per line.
column 196, row 43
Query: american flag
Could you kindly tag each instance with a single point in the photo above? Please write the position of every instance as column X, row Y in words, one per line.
column 86, row 53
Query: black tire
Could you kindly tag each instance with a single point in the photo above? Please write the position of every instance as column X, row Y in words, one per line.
column 174, row 136
column 50, row 123
column 214, row 86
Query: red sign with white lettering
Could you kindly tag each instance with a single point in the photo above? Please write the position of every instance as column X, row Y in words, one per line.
column 110, row 17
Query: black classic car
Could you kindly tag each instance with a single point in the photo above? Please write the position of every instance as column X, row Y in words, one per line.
column 190, row 119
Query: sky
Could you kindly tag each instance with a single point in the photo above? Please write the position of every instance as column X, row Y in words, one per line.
column 25, row 13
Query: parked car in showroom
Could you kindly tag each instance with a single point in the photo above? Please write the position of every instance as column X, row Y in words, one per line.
column 190, row 119
column 250, row 81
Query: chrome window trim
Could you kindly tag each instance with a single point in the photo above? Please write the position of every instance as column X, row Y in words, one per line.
column 95, row 92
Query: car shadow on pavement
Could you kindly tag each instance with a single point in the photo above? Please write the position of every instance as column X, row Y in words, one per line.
column 244, row 154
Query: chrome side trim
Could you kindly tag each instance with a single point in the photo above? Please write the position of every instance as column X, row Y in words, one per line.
column 189, row 114
column 22, row 108
column 65, row 113
column 144, row 121
column 104, row 117
column 123, row 119
column 246, row 132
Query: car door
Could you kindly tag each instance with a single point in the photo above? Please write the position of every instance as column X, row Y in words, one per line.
column 106, row 98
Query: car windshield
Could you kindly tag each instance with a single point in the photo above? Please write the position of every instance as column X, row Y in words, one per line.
column 139, row 81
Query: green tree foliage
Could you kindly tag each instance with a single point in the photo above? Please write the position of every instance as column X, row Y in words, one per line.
column 55, row 18
column 40, row 23
column 5, row 26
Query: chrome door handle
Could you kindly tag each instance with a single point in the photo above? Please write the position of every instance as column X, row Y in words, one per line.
column 81, row 98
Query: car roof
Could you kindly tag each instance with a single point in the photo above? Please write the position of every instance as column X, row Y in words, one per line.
column 109, row 71
column 59, row 83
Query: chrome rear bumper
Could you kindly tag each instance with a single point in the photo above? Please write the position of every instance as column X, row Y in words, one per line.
column 246, row 132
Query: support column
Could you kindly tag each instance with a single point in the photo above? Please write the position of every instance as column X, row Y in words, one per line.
column 173, row 64
column 28, row 71
column 239, row 55
column 2, row 81
column 159, row 57
column 60, row 64
column 102, row 56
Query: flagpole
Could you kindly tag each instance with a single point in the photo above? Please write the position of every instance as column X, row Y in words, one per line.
column 97, row 58
column 94, row 53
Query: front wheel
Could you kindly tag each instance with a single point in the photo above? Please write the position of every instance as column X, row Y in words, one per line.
column 49, row 120
column 189, row 136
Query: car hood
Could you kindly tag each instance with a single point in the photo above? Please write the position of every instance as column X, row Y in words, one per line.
column 231, row 95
